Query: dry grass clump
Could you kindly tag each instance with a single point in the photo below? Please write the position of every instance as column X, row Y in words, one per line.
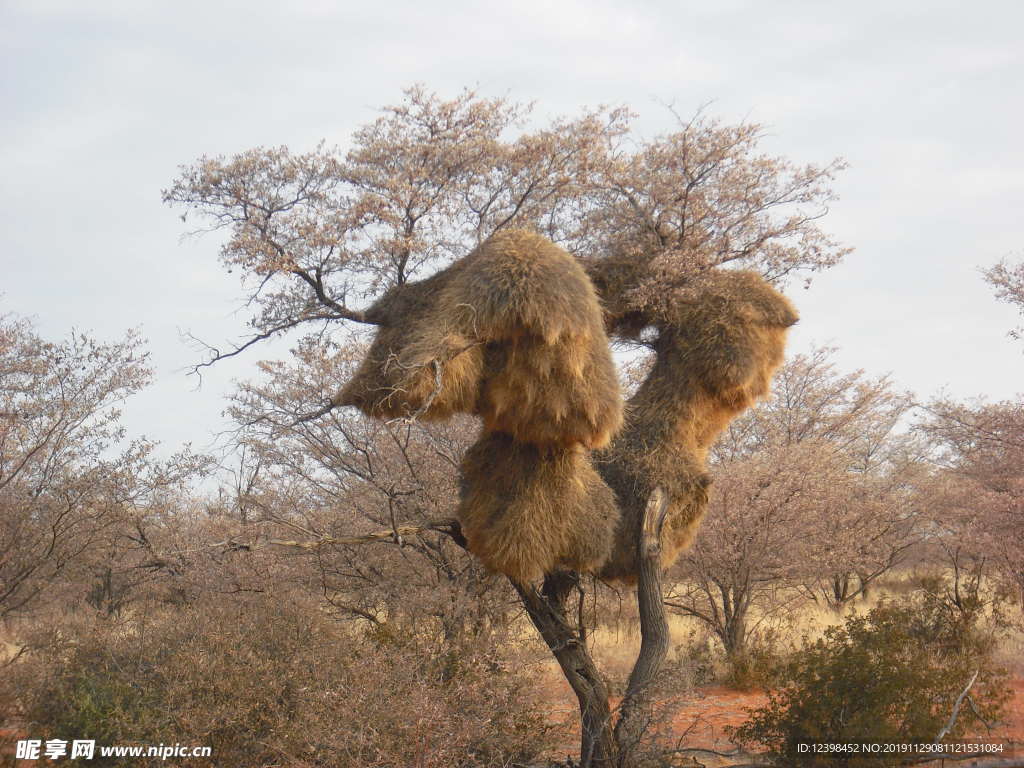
column 265, row 681
column 715, row 353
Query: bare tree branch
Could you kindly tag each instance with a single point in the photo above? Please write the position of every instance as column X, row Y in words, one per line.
column 956, row 709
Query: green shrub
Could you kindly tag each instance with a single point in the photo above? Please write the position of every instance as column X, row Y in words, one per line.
column 889, row 677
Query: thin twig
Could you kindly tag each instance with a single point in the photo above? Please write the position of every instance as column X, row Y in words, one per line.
column 438, row 374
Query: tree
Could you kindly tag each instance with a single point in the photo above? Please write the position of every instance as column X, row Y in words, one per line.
column 1008, row 281
column 870, row 516
column 316, row 235
column 813, row 496
column 69, row 480
column 977, row 495
column 900, row 674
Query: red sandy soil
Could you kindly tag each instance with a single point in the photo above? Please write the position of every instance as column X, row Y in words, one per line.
column 699, row 719
column 1013, row 731
column 702, row 716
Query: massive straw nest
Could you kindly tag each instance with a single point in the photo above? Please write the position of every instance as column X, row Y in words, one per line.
column 715, row 353
column 528, row 509
column 514, row 334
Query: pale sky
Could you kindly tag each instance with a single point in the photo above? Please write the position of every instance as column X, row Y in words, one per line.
column 103, row 99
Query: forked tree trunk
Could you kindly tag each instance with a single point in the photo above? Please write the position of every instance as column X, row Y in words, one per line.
column 601, row 745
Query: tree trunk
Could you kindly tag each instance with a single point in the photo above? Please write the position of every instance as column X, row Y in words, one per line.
column 840, row 591
column 636, row 711
column 735, row 639
column 600, row 745
column 568, row 644
column 734, row 622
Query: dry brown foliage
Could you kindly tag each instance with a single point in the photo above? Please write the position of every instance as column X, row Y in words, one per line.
column 269, row 679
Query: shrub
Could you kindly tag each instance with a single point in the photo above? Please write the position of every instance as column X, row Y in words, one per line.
column 757, row 665
column 270, row 682
column 890, row 676
column 694, row 662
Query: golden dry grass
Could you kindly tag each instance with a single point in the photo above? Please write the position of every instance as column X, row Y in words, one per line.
column 616, row 642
